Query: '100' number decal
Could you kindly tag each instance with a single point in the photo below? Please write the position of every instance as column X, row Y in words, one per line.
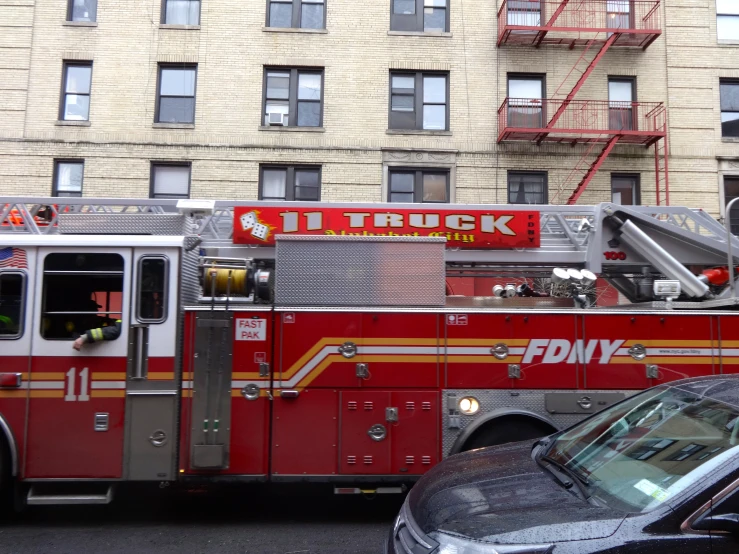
column 70, row 388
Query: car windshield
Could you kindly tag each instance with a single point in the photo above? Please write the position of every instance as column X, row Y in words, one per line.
column 640, row 453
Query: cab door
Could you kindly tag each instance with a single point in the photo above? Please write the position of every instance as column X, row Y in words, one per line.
column 77, row 399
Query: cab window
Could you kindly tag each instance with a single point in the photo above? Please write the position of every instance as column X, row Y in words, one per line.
column 12, row 300
column 81, row 291
column 151, row 305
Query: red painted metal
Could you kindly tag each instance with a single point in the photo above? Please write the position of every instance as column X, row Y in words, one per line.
column 593, row 169
column 524, row 22
column 358, row 452
column 415, row 445
column 661, row 163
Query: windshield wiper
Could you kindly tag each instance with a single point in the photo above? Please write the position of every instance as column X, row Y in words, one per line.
column 581, row 480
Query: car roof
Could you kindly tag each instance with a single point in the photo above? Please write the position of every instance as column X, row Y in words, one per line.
column 722, row 388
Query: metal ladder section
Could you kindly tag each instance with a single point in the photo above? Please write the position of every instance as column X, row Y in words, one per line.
column 569, row 234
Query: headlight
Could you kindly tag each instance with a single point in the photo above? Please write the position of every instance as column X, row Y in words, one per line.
column 469, row 405
column 456, row 545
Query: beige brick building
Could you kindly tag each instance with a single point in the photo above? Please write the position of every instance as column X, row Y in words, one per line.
column 383, row 100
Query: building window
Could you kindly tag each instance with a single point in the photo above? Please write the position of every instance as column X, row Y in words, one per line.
column 525, row 105
column 181, row 12
column 625, row 190
column 170, row 180
column 621, row 98
column 82, row 10
column 729, row 108
column 419, row 101
column 293, row 91
column 68, row 178
column 526, row 13
column 527, row 187
column 76, row 92
column 298, row 14
column 420, row 185
column 176, row 94
column 280, row 182
column 420, row 16
column 731, row 191
column 727, row 19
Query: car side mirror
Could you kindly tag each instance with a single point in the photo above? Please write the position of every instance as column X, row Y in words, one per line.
column 719, row 522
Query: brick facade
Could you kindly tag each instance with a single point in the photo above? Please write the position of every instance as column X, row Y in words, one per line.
column 228, row 142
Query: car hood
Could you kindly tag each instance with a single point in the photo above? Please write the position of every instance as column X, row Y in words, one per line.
column 501, row 495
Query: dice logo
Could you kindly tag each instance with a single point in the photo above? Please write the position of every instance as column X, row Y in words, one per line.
column 260, row 231
column 249, row 220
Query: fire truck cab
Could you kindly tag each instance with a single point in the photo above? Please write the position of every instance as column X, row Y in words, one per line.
column 353, row 344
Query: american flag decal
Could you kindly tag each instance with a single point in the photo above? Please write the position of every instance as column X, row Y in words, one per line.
column 13, row 257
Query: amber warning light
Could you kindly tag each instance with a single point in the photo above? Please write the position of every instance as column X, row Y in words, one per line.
column 10, row 380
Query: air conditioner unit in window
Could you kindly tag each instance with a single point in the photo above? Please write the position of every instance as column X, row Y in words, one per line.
column 277, row 118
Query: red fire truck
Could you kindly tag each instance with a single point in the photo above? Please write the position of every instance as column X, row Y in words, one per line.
column 352, row 344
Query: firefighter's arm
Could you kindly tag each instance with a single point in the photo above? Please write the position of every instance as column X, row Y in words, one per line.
column 100, row 334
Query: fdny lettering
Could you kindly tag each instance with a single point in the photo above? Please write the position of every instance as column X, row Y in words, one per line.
column 555, row 351
column 251, row 329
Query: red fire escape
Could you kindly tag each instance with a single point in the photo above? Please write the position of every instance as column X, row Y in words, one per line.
column 596, row 26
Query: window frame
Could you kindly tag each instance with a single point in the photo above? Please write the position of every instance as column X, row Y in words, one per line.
column 55, row 177
column 24, row 298
column 292, row 99
column 731, row 82
column 165, row 289
column 418, row 182
column 183, row 66
column 163, row 17
column 66, row 64
column 297, row 10
column 634, row 99
column 70, row 13
column 419, row 25
column 289, row 180
column 721, row 14
column 418, row 99
column 725, row 199
column 542, row 78
column 512, row 172
column 636, row 191
column 152, row 173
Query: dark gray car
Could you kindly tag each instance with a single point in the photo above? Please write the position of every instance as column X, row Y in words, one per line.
column 656, row 473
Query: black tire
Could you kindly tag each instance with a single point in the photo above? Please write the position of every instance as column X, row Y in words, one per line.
column 508, row 429
column 7, row 484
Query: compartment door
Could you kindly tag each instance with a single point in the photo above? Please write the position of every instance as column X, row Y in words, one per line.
column 364, row 438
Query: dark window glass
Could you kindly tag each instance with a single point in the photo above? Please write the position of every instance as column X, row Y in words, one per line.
column 152, row 292
column 288, row 91
column 76, row 91
column 12, row 299
column 302, row 14
column 80, row 291
column 430, row 16
column 419, row 101
column 621, row 104
column 729, row 108
column 420, row 185
column 290, row 183
column 82, row 10
column 170, row 181
column 68, row 178
column 181, row 12
column 527, row 187
column 731, row 191
column 176, row 98
column 625, row 190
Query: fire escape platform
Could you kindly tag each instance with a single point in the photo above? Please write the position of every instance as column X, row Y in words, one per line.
column 581, row 121
column 574, row 23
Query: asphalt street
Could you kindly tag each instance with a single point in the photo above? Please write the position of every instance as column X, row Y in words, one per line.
column 242, row 519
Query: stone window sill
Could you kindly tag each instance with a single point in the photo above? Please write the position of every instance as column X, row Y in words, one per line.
column 294, row 30
column 180, row 27
column 72, row 123
column 80, row 24
column 431, row 34
column 726, row 42
column 282, row 129
column 729, row 139
column 173, row 125
column 417, row 132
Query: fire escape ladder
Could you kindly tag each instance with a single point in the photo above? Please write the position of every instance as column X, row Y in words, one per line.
column 593, row 169
column 583, row 77
column 661, row 156
column 541, row 34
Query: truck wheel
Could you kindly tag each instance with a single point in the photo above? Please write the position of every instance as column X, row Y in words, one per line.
column 501, row 431
column 7, row 486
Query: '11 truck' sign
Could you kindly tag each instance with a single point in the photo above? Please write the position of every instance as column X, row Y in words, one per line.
column 462, row 228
